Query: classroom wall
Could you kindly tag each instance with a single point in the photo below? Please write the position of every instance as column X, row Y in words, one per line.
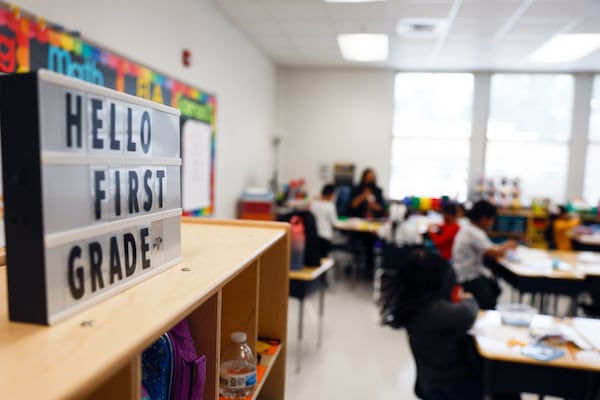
column 224, row 62
column 334, row 115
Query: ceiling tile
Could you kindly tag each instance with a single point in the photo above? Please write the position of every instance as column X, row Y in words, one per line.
column 359, row 11
column 421, row 9
column 243, row 9
column 365, row 26
column 541, row 26
column 590, row 24
column 317, row 42
column 302, row 32
column 296, row 11
column 559, row 8
column 476, row 27
column 307, row 28
column 488, row 9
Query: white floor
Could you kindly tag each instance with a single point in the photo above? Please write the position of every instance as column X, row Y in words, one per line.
column 359, row 358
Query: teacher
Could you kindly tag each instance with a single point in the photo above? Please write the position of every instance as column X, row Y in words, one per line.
column 366, row 199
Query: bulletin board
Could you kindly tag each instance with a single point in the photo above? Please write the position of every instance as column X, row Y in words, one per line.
column 29, row 43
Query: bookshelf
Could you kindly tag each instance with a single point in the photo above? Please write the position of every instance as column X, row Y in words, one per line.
column 234, row 276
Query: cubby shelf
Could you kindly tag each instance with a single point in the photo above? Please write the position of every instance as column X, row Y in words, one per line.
column 234, row 276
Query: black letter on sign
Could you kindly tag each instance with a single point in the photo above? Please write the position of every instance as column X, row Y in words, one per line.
column 73, row 120
column 130, row 261
column 130, row 144
column 114, row 143
column 117, row 193
column 145, row 248
column 99, row 194
column 148, row 190
column 146, row 142
column 95, row 263
column 160, row 174
column 133, row 189
column 75, row 285
column 115, row 260
column 96, row 124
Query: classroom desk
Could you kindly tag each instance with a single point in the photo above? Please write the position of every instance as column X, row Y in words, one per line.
column 575, row 375
column 303, row 283
column 533, row 272
column 359, row 225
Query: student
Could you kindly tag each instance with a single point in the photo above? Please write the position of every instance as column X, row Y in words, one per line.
column 366, row 199
column 470, row 247
column 437, row 328
column 398, row 230
column 325, row 213
column 443, row 235
column 561, row 225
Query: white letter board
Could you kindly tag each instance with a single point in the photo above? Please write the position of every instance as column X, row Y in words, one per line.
column 91, row 193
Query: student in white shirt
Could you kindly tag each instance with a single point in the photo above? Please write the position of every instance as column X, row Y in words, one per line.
column 399, row 230
column 470, row 247
column 325, row 215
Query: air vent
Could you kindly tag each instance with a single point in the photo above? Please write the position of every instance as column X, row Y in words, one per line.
column 420, row 27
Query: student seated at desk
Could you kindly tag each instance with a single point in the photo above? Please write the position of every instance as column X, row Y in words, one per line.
column 437, row 329
column 325, row 214
column 399, row 230
column 470, row 247
column 558, row 229
column 443, row 235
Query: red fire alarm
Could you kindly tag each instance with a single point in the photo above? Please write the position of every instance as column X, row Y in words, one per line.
column 186, row 57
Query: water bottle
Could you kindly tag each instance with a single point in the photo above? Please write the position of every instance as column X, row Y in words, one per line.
column 238, row 369
column 298, row 242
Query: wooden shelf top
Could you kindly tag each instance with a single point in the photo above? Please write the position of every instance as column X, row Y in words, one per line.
column 69, row 359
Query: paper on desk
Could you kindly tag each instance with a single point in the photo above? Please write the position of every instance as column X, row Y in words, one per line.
column 589, row 257
column 589, row 329
column 545, row 325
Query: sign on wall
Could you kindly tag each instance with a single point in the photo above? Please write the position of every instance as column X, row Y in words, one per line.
column 29, row 43
column 91, row 191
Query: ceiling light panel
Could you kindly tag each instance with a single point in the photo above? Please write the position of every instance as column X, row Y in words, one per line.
column 364, row 47
column 566, row 48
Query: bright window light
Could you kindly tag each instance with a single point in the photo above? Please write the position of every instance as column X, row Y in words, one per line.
column 566, row 48
column 365, row 47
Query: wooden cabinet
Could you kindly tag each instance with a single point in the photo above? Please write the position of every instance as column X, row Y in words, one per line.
column 234, row 276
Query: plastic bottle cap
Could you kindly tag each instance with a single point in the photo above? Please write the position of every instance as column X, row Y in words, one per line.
column 239, row 337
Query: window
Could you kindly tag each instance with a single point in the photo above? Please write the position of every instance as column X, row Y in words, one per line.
column 528, row 132
column 431, row 132
column 591, row 182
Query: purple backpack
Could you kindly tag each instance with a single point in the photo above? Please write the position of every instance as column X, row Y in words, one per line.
column 171, row 367
column 189, row 369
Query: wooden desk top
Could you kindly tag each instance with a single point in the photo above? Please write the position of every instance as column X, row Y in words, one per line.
column 496, row 341
column 358, row 225
column 312, row 273
column 573, row 265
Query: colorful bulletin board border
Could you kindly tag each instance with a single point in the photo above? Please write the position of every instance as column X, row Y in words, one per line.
column 28, row 43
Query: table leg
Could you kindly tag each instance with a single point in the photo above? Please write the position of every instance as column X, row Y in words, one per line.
column 321, row 312
column 300, row 322
column 572, row 310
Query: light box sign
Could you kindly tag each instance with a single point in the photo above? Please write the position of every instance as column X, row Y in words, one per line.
column 91, row 192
